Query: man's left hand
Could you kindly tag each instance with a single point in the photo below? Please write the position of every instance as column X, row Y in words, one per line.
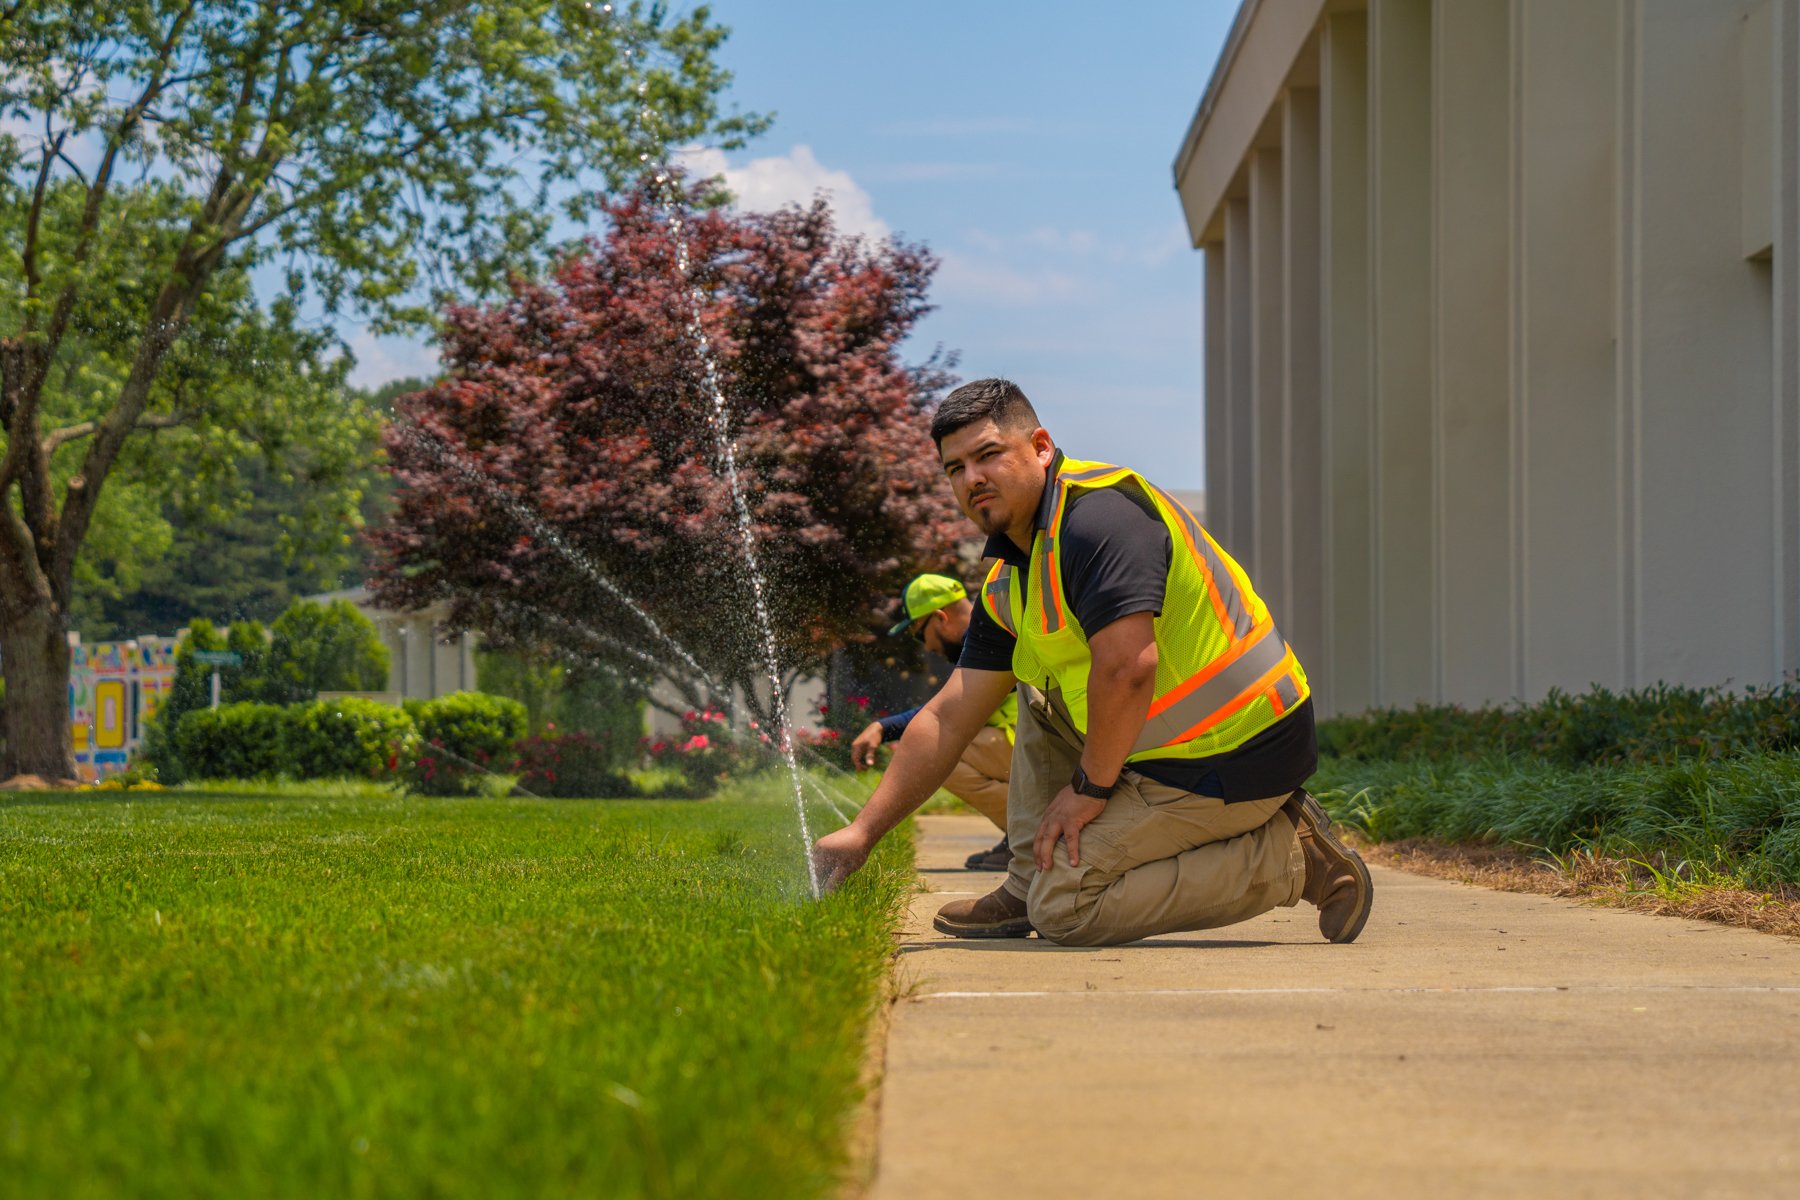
column 1067, row 815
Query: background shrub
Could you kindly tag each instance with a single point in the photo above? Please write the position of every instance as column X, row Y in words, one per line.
column 708, row 752
column 234, row 741
column 1659, row 724
column 350, row 736
column 463, row 737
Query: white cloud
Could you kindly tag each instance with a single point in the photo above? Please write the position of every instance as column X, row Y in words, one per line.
column 775, row 181
column 382, row 360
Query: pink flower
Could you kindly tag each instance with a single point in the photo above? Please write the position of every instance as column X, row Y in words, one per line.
column 697, row 742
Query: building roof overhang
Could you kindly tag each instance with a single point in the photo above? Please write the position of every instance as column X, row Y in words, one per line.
column 1266, row 41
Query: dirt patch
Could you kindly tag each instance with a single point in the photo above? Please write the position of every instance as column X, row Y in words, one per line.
column 37, row 783
column 1614, row 882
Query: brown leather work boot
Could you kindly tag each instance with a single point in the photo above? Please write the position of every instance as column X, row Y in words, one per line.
column 999, row 914
column 1336, row 879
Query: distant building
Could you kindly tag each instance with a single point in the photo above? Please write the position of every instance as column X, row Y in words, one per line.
column 1503, row 339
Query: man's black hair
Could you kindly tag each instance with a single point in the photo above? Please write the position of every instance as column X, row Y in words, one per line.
column 996, row 399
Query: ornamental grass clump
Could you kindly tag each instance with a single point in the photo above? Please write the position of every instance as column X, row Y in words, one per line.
column 1735, row 817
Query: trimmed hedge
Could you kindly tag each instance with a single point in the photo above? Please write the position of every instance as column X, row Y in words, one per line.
column 235, row 741
column 349, row 736
column 327, row 739
column 1659, row 724
column 463, row 737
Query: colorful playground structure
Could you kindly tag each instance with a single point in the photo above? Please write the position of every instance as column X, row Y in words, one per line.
column 114, row 687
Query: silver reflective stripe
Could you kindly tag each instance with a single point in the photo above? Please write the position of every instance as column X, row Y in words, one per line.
column 1263, row 656
column 1053, row 616
column 1288, row 691
column 1086, row 473
column 999, row 591
column 1235, row 608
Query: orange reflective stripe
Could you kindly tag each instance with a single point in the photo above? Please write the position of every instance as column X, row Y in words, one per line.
column 1196, row 704
column 1050, row 594
column 1228, row 600
column 1050, row 599
column 1232, row 708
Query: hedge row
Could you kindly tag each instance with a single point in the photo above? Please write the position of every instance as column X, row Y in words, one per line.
column 1660, row 724
column 450, row 746
column 471, row 732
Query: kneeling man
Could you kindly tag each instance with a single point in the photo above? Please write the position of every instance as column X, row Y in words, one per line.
column 1165, row 729
column 937, row 614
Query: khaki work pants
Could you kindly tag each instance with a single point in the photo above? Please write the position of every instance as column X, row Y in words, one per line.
column 980, row 777
column 1156, row 860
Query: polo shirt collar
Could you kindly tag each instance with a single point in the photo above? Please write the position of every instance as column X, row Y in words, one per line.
column 1004, row 548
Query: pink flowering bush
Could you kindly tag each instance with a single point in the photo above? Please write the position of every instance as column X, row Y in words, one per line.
column 571, row 766
column 843, row 717
column 708, row 752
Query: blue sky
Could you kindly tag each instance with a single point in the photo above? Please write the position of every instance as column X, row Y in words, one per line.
column 1029, row 145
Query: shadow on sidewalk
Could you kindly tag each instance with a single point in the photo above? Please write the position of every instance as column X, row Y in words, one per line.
column 1037, row 945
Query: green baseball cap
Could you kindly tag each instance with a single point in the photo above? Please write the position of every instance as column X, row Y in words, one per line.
column 924, row 596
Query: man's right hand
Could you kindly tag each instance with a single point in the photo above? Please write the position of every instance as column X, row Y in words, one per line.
column 862, row 750
column 836, row 856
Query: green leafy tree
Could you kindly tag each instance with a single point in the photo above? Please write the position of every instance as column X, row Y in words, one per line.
column 385, row 154
column 316, row 648
column 568, row 697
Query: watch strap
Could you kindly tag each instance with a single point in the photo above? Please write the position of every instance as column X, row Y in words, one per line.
column 1086, row 787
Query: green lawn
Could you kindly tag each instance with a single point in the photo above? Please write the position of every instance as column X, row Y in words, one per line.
column 348, row 993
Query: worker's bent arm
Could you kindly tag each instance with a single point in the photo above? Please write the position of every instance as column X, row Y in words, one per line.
column 1121, row 684
column 923, row 759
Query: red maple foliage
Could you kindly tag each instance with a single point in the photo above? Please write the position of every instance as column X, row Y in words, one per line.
column 567, row 450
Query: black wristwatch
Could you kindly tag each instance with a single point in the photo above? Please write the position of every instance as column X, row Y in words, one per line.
column 1086, row 787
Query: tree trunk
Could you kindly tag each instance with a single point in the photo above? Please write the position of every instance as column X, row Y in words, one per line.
column 35, row 661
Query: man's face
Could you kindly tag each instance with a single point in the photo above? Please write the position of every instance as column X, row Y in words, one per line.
column 943, row 631
column 997, row 474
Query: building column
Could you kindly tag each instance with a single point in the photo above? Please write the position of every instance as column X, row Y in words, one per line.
column 1235, row 531
column 1567, row 481
column 1785, row 261
column 1344, row 681
column 1217, row 403
column 1268, row 432
column 1697, row 329
column 1302, row 614
column 1471, row 302
column 1400, row 106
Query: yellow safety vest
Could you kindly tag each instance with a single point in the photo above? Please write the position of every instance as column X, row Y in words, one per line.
column 1223, row 672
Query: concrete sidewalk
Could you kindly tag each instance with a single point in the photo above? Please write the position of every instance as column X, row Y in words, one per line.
column 1469, row 1043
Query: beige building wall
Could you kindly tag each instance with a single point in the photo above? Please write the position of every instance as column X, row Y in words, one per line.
column 1503, row 339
